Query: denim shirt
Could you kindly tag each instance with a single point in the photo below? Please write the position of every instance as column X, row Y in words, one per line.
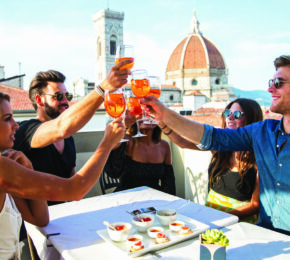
column 265, row 140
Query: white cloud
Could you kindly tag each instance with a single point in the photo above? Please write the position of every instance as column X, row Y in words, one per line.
column 149, row 54
column 252, row 65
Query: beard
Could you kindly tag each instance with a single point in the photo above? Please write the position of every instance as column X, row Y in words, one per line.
column 51, row 111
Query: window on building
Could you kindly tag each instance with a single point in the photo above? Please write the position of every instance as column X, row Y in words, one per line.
column 171, row 97
column 174, row 83
column 217, row 81
column 194, row 82
column 113, row 45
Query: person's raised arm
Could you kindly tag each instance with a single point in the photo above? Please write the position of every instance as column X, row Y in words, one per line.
column 176, row 138
column 189, row 129
column 75, row 117
column 23, row 182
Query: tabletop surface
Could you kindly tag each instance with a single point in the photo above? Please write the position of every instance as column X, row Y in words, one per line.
column 78, row 223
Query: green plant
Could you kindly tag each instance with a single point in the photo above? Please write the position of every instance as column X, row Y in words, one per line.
column 214, row 236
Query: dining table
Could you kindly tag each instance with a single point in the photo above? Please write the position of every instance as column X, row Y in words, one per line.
column 73, row 232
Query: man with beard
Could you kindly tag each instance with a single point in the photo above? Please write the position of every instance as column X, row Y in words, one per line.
column 47, row 140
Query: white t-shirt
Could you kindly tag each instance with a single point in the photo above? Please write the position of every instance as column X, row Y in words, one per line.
column 10, row 223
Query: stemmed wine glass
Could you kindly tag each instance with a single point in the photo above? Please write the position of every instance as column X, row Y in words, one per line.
column 115, row 104
column 139, row 83
column 155, row 90
column 134, row 107
column 140, row 86
column 125, row 52
column 155, row 86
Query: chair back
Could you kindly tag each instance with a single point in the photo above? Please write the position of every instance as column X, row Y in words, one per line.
column 108, row 184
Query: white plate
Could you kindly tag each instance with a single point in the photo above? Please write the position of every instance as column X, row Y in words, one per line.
column 149, row 245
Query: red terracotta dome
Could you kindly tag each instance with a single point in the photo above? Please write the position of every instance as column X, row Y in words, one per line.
column 195, row 52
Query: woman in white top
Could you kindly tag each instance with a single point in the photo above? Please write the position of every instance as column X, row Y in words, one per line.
column 19, row 183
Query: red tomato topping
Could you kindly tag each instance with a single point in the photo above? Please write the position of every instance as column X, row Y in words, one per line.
column 120, row 227
column 138, row 243
column 160, row 235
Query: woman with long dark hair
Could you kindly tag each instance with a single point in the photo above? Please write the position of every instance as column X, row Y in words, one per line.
column 142, row 161
column 233, row 176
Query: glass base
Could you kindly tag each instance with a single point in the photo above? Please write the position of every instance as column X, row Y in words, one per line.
column 124, row 140
column 138, row 135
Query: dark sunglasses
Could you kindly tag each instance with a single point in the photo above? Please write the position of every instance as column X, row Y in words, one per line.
column 237, row 114
column 278, row 83
column 59, row 96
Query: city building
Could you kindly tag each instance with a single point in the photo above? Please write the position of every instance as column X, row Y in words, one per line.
column 13, row 81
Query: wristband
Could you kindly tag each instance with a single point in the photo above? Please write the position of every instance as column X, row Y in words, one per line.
column 163, row 127
column 100, row 91
column 168, row 132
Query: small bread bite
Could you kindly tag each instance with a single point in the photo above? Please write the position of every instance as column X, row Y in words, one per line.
column 136, row 247
column 185, row 230
column 161, row 238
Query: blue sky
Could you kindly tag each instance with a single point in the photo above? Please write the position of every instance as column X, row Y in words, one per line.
column 50, row 34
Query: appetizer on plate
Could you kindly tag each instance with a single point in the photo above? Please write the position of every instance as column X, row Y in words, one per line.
column 152, row 232
column 161, row 238
column 185, row 230
column 137, row 246
column 176, row 225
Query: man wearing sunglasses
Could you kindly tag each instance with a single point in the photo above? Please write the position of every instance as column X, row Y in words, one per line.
column 47, row 140
column 268, row 139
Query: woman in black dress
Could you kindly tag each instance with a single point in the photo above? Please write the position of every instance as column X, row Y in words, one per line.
column 142, row 161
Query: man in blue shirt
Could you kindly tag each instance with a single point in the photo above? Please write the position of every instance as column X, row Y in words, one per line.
column 269, row 140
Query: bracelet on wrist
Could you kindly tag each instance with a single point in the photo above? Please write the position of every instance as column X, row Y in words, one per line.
column 163, row 127
column 170, row 131
column 100, row 91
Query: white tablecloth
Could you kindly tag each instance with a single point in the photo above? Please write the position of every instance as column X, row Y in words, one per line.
column 77, row 223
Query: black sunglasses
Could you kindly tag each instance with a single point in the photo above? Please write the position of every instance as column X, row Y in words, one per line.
column 59, row 96
column 278, row 83
column 237, row 114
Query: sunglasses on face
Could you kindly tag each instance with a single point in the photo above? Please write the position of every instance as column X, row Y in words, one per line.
column 59, row 96
column 278, row 83
column 236, row 114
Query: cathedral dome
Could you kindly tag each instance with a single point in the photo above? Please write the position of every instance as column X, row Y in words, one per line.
column 195, row 52
column 197, row 65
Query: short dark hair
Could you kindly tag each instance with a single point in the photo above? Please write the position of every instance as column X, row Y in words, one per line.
column 3, row 97
column 40, row 81
column 282, row 61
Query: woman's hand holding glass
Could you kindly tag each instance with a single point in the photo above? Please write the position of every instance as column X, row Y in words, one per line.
column 114, row 132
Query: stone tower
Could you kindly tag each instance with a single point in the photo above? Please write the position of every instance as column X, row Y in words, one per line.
column 108, row 30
